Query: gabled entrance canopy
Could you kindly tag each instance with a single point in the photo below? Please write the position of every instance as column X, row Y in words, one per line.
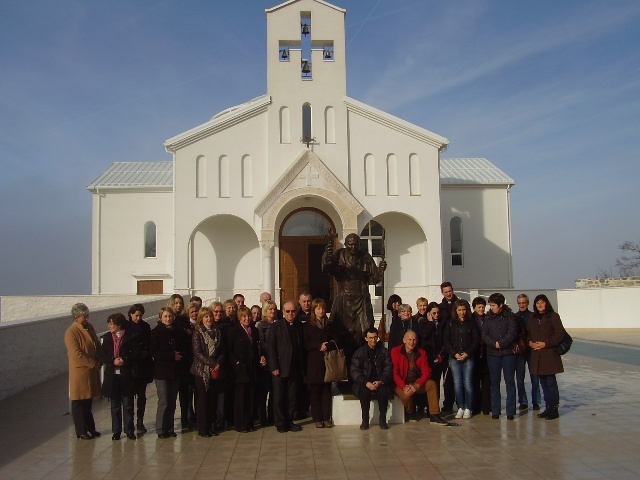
column 308, row 176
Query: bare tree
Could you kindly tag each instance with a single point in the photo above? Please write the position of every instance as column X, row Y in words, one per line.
column 629, row 263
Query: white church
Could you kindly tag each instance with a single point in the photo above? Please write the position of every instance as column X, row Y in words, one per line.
column 248, row 201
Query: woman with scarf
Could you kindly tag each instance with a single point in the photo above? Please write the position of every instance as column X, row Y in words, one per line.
column 120, row 351
column 319, row 338
column 207, row 359
column 499, row 331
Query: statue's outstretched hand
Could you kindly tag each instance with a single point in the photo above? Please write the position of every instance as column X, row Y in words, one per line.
column 382, row 266
column 328, row 253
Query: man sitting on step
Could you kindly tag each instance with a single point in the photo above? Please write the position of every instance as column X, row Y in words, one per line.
column 411, row 374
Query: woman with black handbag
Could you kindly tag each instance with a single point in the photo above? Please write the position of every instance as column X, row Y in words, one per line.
column 545, row 333
column 318, row 339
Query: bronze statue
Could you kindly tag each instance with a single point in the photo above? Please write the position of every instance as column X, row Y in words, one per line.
column 354, row 270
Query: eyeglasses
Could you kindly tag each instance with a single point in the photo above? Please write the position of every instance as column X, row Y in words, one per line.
column 289, row 311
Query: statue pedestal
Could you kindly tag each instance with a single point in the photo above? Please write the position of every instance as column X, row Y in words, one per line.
column 346, row 410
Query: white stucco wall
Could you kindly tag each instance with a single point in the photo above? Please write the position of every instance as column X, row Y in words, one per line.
column 486, row 238
column 119, row 217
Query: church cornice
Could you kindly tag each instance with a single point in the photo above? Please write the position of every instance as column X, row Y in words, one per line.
column 218, row 124
column 291, row 2
column 397, row 124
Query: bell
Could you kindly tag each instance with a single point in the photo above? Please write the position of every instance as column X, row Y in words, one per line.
column 306, row 68
column 283, row 54
column 305, row 29
column 327, row 54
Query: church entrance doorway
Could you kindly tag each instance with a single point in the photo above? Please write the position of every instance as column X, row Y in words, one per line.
column 303, row 238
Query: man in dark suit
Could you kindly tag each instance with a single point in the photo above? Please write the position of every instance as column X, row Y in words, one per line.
column 286, row 363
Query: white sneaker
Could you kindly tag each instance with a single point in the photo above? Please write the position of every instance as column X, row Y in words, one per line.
column 460, row 413
column 467, row 413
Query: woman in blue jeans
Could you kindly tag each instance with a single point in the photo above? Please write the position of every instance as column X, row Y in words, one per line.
column 499, row 331
column 461, row 339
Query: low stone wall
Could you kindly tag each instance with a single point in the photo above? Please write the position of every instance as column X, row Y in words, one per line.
column 608, row 282
column 44, row 306
column 33, row 350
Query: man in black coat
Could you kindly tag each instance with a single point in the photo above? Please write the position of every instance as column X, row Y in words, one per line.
column 372, row 373
column 286, row 363
column 446, row 307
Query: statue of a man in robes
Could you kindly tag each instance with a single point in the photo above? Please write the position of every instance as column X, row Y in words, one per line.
column 354, row 270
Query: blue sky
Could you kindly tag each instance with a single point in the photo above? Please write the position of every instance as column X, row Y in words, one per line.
column 549, row 91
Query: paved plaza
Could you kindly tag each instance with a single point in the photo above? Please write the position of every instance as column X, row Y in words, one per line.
column 596, row 437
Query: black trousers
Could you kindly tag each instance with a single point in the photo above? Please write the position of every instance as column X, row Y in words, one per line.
column 206, row 402
column 449, row 390
column 140, row 394
column 382, row 395
column 264, row 389
column 82, row 416
column 321, row 401
column 243, row 406
column 285, row 391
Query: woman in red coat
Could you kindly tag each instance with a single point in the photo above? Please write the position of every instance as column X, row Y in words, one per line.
column 545, row 331
column 319, row 338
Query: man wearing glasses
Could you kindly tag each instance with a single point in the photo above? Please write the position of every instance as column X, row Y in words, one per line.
column 286, row 357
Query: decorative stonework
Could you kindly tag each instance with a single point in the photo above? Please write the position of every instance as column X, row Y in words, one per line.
column 309, row 176
column 608, row 282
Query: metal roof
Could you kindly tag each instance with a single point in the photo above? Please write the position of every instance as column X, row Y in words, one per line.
column 478, row 171
column 135, row 174
column 453, row 171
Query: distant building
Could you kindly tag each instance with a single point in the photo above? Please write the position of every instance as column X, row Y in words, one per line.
column 247, row 201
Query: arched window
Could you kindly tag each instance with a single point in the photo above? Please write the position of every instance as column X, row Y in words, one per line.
column 330, row 125
column 369, row 175
column 456, row 241
column 306, row 121
column 306, row 223
column 149, row 240
column 371, row 241
column 392, row 175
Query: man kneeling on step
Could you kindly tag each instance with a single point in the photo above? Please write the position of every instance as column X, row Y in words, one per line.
column 372, row 374
column 411, row 374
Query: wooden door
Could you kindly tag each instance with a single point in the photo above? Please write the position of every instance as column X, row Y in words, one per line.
column 294, row 267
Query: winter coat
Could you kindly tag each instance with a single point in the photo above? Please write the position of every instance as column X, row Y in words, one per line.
column 202, row 361
column 165, row 342
column 401, row 366
column 314, row 337
column 243, row 354
column 459, row 337
column 397, row 330
column 431, row 340
column 83, row 350
column 143, row 367
column 130, row 354
column 281, row 350
column 361, row 368
column 547, row 329
column 502, row 328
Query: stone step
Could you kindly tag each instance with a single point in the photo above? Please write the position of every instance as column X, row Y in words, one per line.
column 346, row 410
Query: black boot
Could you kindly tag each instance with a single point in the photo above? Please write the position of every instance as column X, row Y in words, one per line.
column 553, row 412
column 545, row 413
column 365, row 423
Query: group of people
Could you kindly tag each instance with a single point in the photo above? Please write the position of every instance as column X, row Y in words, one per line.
column 475, row 350
column 232, row 366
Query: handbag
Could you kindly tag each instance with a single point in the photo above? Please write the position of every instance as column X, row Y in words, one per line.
column 335, row 365
column 565, row 345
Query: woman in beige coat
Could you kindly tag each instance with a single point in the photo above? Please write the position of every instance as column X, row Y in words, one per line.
column 83, row 349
